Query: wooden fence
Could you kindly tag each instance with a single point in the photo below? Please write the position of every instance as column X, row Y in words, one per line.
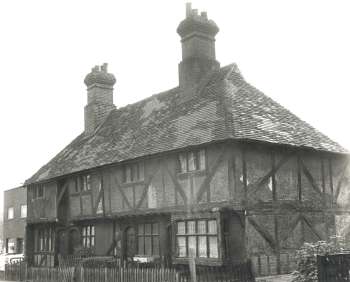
column 333, row 268
column 265, row 265
column 20, row 272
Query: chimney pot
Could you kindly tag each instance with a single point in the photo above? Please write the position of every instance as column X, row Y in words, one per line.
column 188, row 9
column 204, row 15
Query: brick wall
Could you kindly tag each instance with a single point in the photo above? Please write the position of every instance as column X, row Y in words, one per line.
column 14, row 228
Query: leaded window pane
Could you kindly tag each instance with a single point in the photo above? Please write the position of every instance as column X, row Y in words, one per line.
column 181, row 229
column 148, row 245
column 140, row 229
column 212, row 228
column 183, row 162
column 191, row 161
column 148, row 229
column 135, row 175
column 181, row 246
column 191, row 227
column 127, row 173
column 202, row 246
column 192, row 246
column 88, row 182
column 202, row 159
column 141, row 246
column 155, row 228
column 213, row 247
column 93, row 230
column 141, row 171
column 202, row 227
column 155, row 245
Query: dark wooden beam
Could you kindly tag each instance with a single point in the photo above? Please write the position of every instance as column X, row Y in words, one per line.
column 60, row 196
column 312, row 228
column 206, row 182
column 341, row 179
column 264, row 179
column 299, row 178
column 122, row 193
column 177, row 185
column 264, row 233
column 310, row 178
column 331, row 179
column 146, row 188
column 244, row 174
column 273, row 177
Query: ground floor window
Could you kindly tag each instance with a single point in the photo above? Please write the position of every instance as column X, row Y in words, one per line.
column 20, row 245
column 45, row 240
column 198, row 237
column 88, row 236
column 148, row 239
column 10, row 245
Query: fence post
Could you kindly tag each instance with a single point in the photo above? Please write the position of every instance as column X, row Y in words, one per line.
column 82, row 274
column 192, row 265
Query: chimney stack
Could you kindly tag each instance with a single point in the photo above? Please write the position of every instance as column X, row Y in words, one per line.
column 198, row 48
column 99, row 95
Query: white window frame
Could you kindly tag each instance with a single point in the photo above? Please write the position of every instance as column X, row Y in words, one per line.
column 12, row 209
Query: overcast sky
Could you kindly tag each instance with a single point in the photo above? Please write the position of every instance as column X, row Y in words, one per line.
column 295, row 51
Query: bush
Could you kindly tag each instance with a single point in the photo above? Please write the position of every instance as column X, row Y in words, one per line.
column 306, row 258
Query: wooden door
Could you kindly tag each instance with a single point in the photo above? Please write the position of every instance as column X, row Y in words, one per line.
column 74, row 243
column 130, row 242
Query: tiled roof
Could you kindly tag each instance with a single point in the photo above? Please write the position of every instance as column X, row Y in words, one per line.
column 225, row 107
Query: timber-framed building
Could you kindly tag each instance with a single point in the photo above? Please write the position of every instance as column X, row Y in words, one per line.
column 212, row 165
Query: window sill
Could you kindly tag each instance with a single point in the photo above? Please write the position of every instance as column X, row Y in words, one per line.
column 199, row 261
column 192, row 173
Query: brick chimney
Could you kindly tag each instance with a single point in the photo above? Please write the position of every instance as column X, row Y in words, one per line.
column 99, row 97
column 198, row 48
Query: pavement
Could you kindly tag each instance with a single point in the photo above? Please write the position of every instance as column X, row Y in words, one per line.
column 275, row 278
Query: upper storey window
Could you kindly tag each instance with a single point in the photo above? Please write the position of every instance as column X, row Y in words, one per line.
column 38, row 191
column 10, row 213
column 192, row 161
column 85, row 182
column 133, row 172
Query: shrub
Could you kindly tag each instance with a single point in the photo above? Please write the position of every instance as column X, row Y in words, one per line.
column 306, row 257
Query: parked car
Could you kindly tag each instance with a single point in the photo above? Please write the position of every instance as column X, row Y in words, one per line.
column 6, row 258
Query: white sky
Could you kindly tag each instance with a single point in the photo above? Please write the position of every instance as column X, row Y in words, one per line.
column 295, row 51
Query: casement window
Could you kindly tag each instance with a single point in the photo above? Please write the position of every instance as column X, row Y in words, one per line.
column 88, row 236
column 133, row 172
column 192, row 161
column 10, row 213
column 45, row 240
column 85, row 182
column 10, row 245
column 20, row 245
column 23, row 211
column 197, row 237
column 148, row 239
column 38, row 191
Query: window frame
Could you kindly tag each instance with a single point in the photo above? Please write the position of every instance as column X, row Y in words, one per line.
column 39, row 191
column 200, row 161
column 136, row 171
column 85, row 182
column 89, row 236
column 197, row 236
column 21, row 214
column 153, row 235
column 45, row 241
column 8, row 213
